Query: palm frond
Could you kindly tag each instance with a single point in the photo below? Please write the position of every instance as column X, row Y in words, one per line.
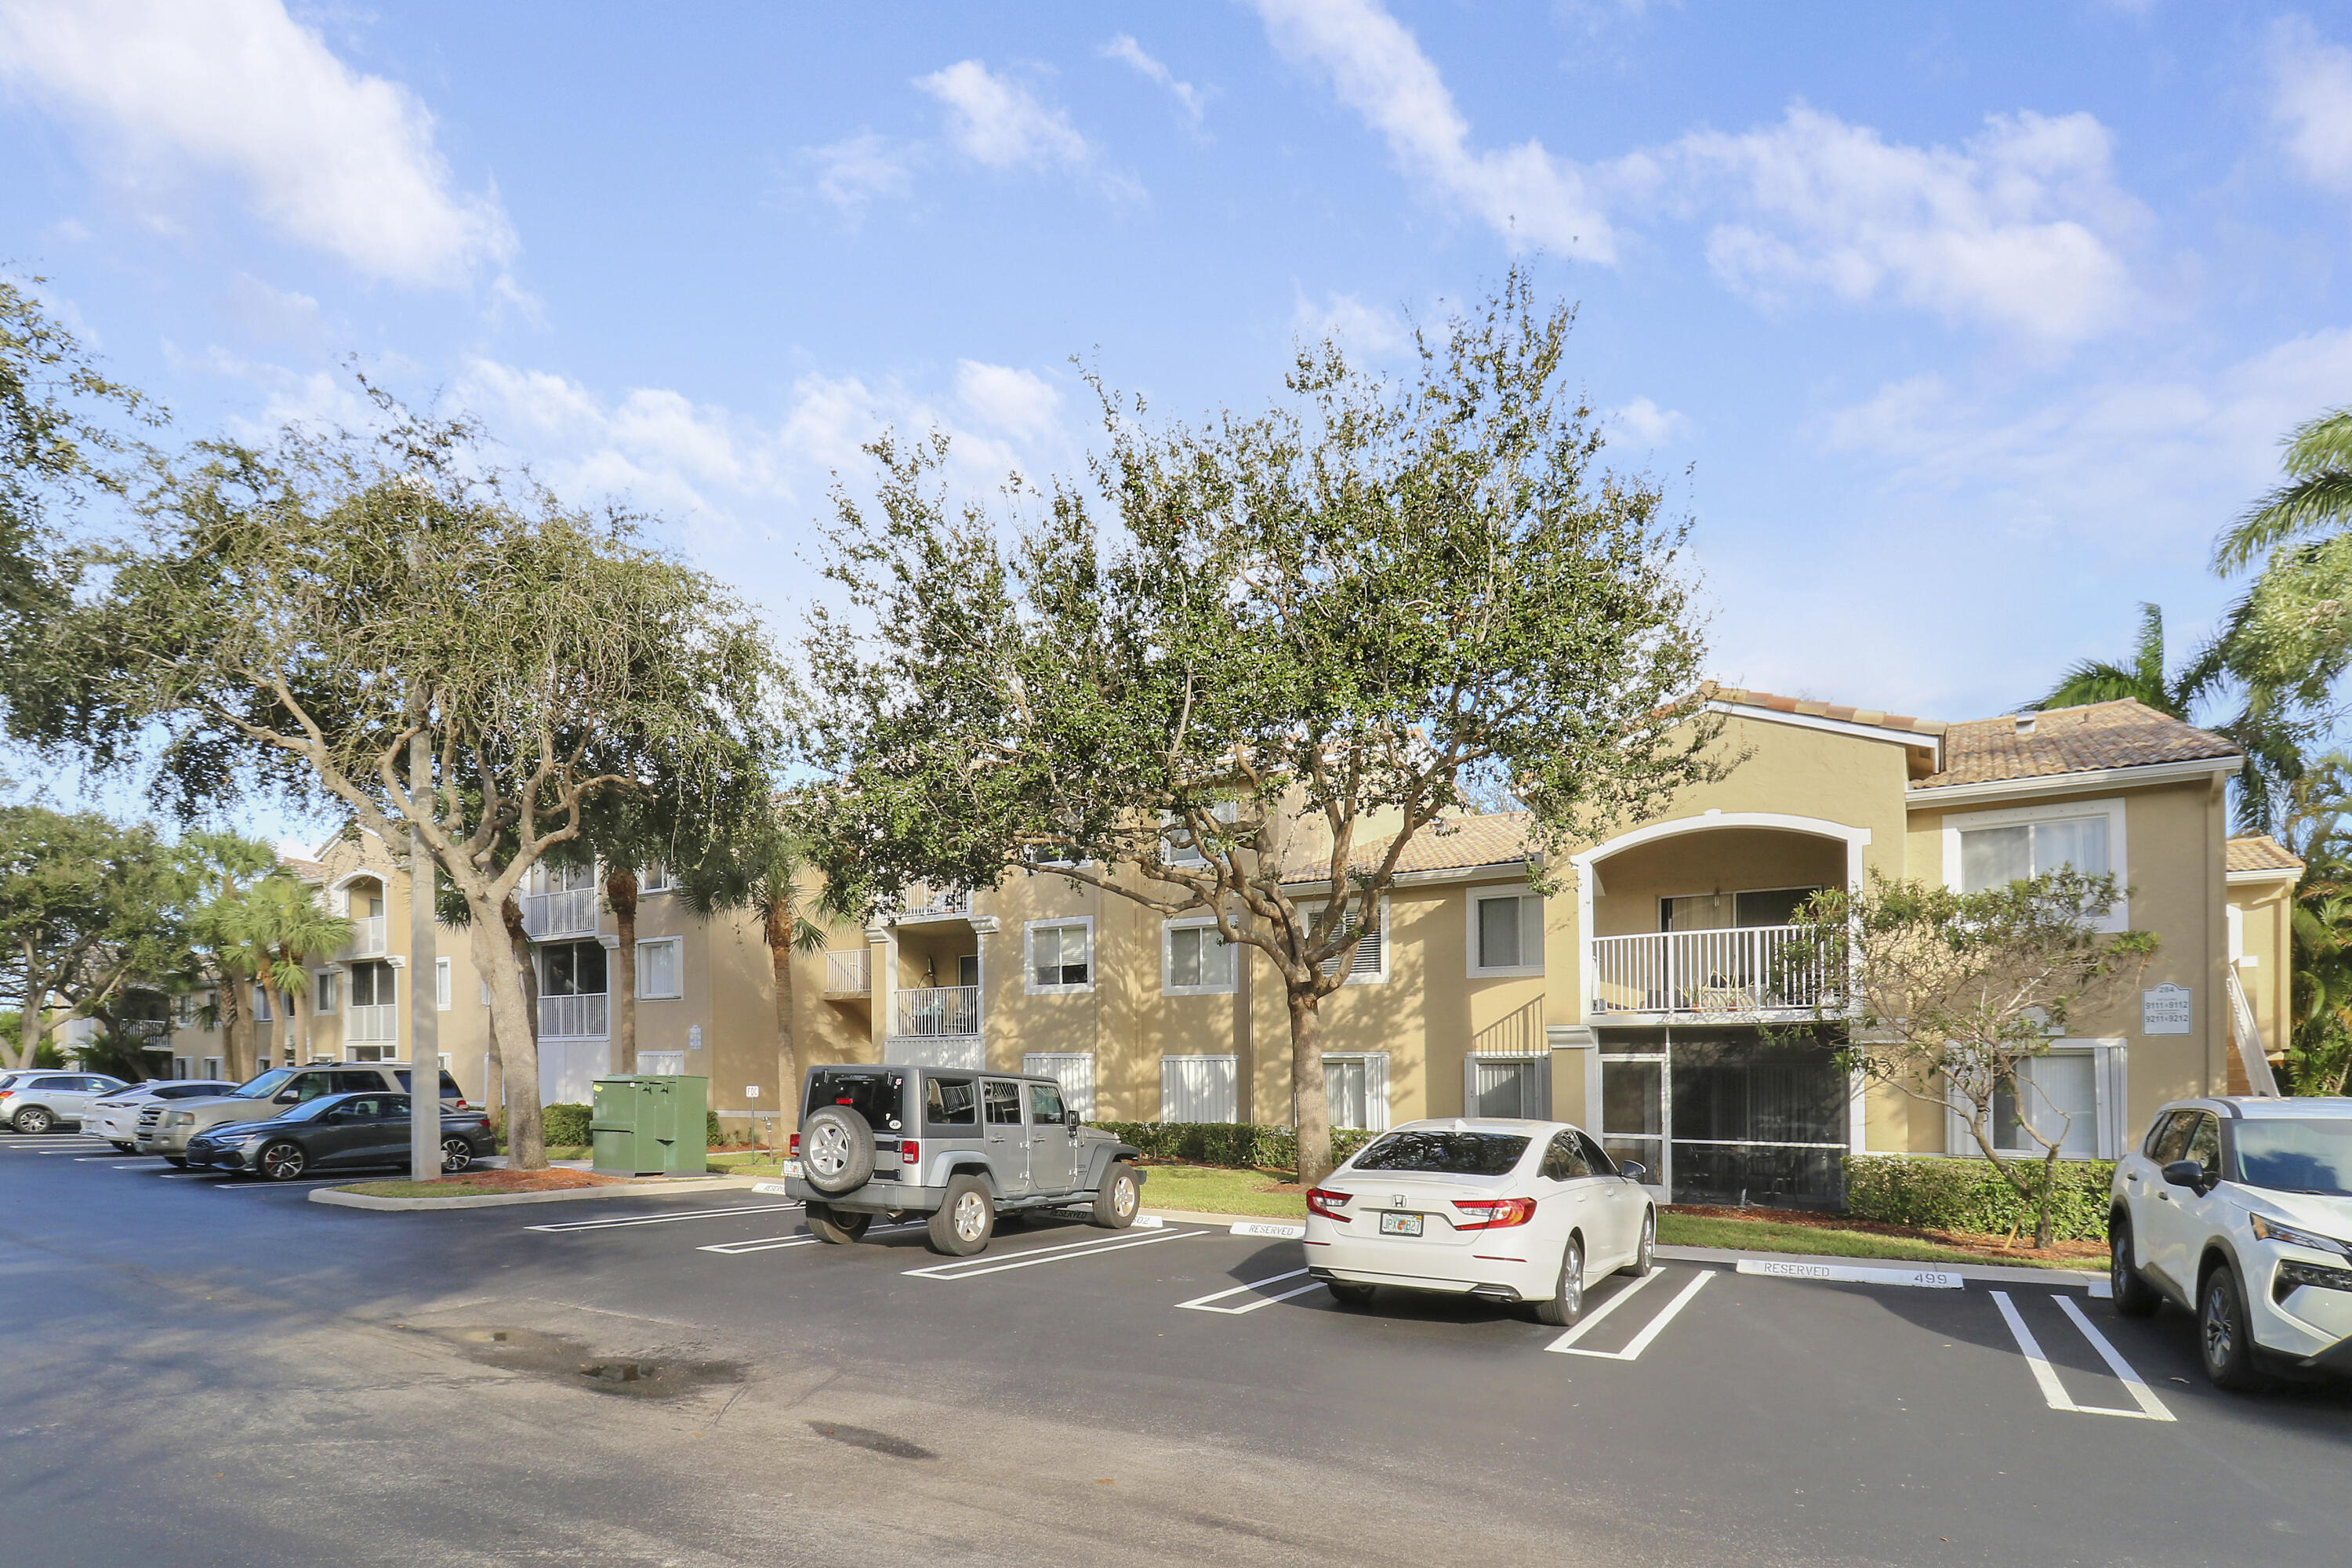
column 2320, row 504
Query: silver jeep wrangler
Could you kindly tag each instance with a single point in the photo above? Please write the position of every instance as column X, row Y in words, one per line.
column 959, row 1146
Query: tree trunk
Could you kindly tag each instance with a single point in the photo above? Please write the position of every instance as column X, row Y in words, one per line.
column 2043, row 1228
column 237, row 1056
column 510, row 1008
column 1313, row 1108
column 788, row 1065
column 28, row 1022
column 621, row 891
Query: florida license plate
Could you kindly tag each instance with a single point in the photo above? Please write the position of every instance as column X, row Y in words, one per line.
column 1400, row 1225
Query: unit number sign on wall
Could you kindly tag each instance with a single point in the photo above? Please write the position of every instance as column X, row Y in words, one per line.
column 2164, row 1010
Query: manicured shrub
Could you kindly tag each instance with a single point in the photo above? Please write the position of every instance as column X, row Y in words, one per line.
column 1971, row 1195
column 564, row 1124
column 1241, row 1145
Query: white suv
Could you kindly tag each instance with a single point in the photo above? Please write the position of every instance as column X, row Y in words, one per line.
column 2240, row 1210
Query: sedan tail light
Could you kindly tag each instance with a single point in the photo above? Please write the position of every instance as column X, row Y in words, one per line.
column 911, row 1151
column 1323, row 1201
column 1493, row 1213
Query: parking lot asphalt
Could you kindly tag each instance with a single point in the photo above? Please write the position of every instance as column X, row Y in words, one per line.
column 208, row 1371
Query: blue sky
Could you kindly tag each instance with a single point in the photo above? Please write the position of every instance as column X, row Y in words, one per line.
column 1959, row 329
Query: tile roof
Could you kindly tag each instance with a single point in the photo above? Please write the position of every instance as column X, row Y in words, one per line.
column 309, row 870
column 1450, row 844
column 1875, row 718
column 2261, row 852
column 2120, row 734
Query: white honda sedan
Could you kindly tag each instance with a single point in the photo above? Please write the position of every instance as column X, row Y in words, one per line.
column 1502, row 1210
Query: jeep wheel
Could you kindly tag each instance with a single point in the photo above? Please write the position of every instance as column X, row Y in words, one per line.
column 836, row 1150
column 1120, row 1196
column 965, row 1221
column 838, row 1226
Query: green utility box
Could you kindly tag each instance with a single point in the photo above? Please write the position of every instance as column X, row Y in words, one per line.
column 650, row 1124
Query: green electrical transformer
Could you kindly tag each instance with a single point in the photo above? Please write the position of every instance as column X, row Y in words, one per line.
column 650, row 1124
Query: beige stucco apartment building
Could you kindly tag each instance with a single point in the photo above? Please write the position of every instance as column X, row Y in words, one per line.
column 1634, row 999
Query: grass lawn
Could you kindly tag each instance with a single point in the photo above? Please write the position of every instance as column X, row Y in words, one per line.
column 745, row 1161
column 1767, row 1236
column 1212, row 1189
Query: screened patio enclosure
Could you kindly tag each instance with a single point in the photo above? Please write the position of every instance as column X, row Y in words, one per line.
column 1732, row 1115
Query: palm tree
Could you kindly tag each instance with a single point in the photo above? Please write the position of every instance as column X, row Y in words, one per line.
column 288, row 927
column 2316, row 501
column 220, row 956
column 2273, row 745
column 765, row 877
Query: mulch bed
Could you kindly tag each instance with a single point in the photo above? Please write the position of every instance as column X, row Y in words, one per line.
column 1993, row 1247
column 497, row 1181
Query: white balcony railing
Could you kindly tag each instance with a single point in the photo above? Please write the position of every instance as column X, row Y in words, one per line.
column 571, row 912
column 848, row 973
column 936, row 1010
column 371, row 1026
column 367, row 936
column 574, row 1017
column 1743, row 969
column 930, row 904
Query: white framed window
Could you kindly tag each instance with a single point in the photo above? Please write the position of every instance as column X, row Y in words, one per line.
column 1194, row 960
column 327, row 991
column 1992, row 848
column 1356, row 1088
column 658, row 968
column 211, row 1066
column 653, row 877
column 1200, row 1088
column 1073, row 1070
column 1505, row 932
column 184, row 1012
column 441, row 972
column 1368, row 960
column 1176, row 844
column 260, row 1005
column 1058, row 956
column 2075, row 1092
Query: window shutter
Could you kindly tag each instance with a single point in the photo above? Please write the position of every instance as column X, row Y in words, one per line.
column 441, row 985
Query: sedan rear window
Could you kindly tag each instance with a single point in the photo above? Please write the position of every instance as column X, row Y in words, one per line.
column 1445, row 1153
column 2296, row 1156
column 879, row 1097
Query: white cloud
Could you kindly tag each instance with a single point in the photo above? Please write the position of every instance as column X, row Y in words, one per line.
column 273, row 315
column 1000, row 123
column 856, row 169
column 2313, row 106
column 1643, row 424
column 1523, row 193
column 1019, row 402
column 1347, row 320
column 332, row 158
column 2019, row 229
column 1124, row 48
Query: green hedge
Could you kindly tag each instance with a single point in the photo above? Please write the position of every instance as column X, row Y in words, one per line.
column 1241, row 1145
column 568, row 1125
column 1969, row 1195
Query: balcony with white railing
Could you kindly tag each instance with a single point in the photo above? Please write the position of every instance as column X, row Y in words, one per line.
column 849, row 974
column 569, row 912
column 586, row 1017
column 934, row 904
column 935, row 1010
column 371, row 1026
column 1739, row 971
column 367, row 936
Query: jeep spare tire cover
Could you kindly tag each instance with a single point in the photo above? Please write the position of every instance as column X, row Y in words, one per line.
column 836, row 1150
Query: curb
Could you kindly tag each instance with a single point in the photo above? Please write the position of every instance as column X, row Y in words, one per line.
column 499, row 1200
column 1197, row 1216
column 1993, row 1273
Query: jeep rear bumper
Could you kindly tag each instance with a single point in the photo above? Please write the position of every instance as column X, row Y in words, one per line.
column 874, row 1197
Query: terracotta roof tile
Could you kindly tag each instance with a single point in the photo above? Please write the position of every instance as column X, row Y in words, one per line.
column 1875, row 718
column 1453, row 843
column 2261, row 852
column 2120, row 734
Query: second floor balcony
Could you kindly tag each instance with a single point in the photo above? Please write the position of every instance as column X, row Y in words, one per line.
column 376, row 1024
column 367, row 936
column 570, row 911
column 934, row 904
column 581, row 1017
column 848, row 973
column 933, row 1011
column 1733, row 972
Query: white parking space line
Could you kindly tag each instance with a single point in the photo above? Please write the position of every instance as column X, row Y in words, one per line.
column 235, row 1185
column 1565, row 1344
column 775, row 1243
column 615, row 1222
column 1068, row 1252
column 2054, row 1392
column 1202, row 1303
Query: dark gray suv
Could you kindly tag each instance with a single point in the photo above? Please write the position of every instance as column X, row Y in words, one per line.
column 956, row 1145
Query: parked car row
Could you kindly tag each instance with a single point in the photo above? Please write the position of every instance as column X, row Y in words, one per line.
column 282, row 1124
